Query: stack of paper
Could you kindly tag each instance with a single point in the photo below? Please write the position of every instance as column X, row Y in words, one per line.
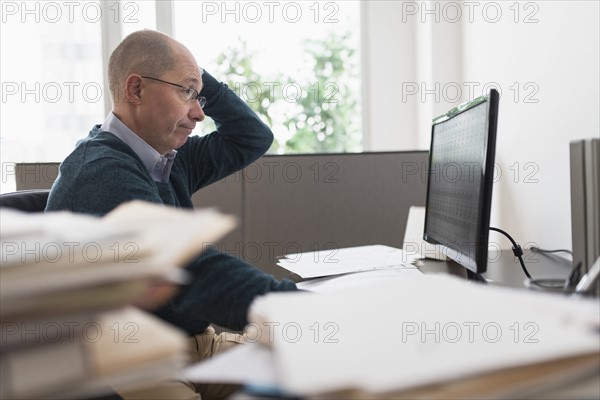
column 66, row 285
column 342, row 261
column 334, row 283
column 408, row 333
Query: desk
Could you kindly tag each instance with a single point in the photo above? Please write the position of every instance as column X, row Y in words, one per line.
column 575, row 377
column 504, row 268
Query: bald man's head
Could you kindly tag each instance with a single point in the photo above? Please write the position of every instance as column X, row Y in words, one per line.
column 143, row 52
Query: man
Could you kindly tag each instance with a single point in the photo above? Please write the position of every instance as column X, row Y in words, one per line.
column 142, row 151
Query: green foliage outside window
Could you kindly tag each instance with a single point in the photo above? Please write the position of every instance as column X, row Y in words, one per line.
column 315, row 111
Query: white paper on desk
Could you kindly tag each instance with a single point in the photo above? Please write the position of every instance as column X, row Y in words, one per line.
column 413, row 237
column 341, row 261
column 407, row 333
column 250, row 363
column 357, row 279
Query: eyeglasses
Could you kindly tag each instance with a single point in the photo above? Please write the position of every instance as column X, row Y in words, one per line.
column 191, row 94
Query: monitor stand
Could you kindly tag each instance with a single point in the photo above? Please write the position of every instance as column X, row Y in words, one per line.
column 477, row 277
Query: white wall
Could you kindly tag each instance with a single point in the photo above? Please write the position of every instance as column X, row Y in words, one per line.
column 547, row 71
column 388, row 51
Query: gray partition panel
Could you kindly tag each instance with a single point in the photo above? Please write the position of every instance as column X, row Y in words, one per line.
column 226, row 196
column 35, row 175
column 312, row 202
column 294, row 203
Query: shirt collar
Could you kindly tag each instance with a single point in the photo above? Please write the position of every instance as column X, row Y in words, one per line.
column 157, row 165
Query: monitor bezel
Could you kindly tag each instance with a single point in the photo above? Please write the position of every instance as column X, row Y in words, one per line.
column 478, row 264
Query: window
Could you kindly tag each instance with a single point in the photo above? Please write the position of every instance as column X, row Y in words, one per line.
column 296, row 63
column 52, row 83
column 135, row 15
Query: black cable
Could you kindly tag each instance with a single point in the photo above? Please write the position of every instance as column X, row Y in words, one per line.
column 537, row 249
column 517, row 250
column 553, row 284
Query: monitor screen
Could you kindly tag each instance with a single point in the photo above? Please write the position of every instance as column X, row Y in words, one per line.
column 459, row 181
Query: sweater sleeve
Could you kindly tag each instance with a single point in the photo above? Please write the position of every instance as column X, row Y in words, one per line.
column 221, row 291
column 240, row 139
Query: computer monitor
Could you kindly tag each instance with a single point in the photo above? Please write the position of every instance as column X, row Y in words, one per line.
column 459, row 182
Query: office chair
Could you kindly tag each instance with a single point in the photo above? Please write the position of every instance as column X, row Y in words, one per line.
column 33, row 200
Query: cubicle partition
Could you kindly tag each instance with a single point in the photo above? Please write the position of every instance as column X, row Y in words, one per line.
column 298, row 203
column 30, row 176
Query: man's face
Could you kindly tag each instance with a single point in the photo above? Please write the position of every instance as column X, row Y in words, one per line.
column 165, row 117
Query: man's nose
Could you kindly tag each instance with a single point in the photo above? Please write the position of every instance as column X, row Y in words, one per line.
column 196, row 112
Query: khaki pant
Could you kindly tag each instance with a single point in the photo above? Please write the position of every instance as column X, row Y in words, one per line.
column 201, row 347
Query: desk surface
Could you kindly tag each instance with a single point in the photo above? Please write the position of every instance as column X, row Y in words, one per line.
column 572, row 378
column 504, row 268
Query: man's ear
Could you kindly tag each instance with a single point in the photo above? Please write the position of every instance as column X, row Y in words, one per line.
column 133, row 89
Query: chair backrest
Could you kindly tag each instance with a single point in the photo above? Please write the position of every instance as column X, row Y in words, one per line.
column 26, row 200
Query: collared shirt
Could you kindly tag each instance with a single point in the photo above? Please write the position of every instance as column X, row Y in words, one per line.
column 157, row 165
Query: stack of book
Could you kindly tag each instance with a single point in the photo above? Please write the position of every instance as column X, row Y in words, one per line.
column 73, row 290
